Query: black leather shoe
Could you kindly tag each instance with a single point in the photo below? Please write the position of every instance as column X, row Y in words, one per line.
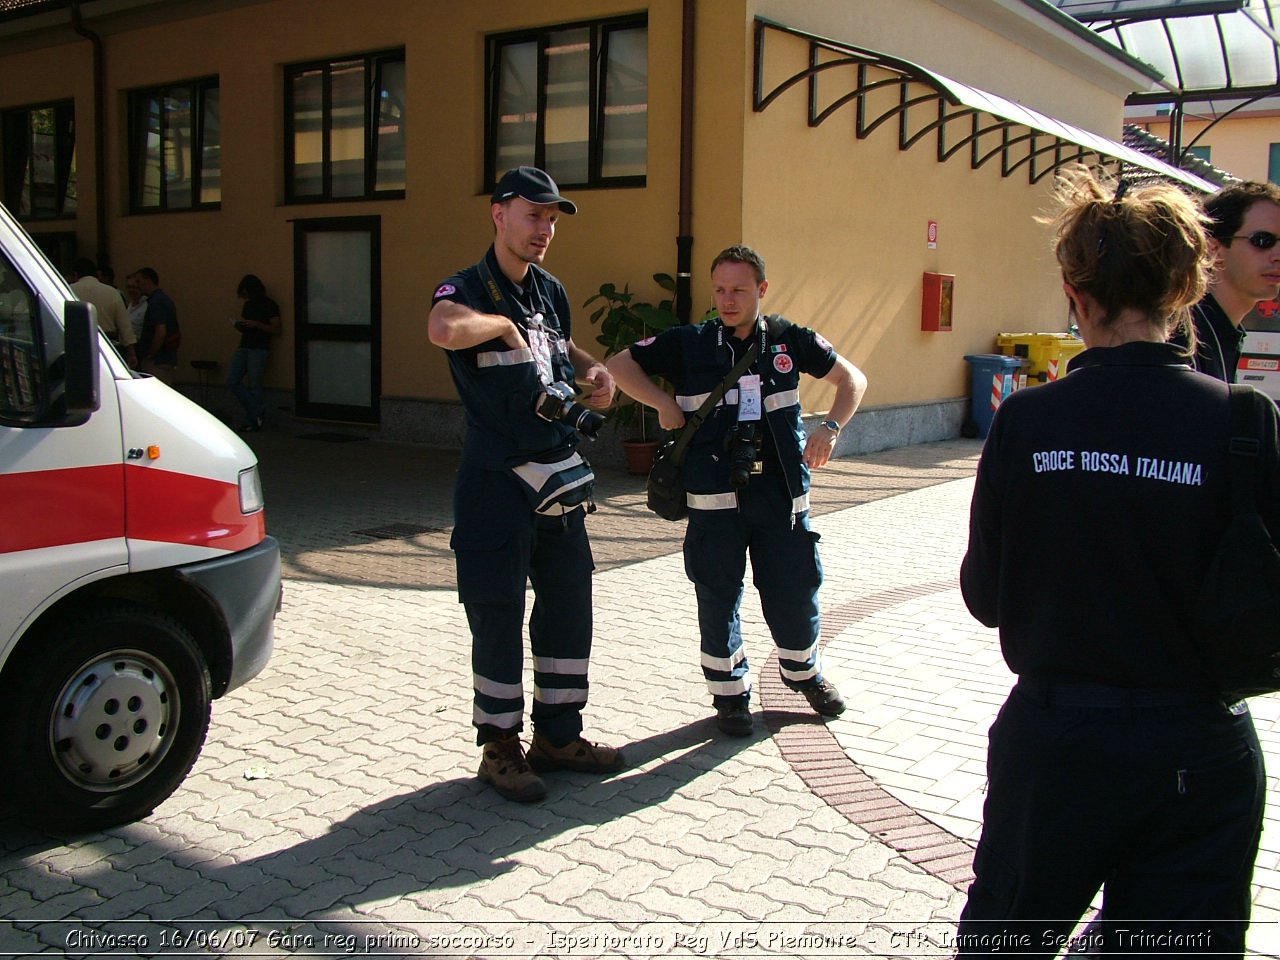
column 734, row 718
column 823, row 697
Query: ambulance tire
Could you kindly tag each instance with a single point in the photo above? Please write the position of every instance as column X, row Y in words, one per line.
column 109, row 715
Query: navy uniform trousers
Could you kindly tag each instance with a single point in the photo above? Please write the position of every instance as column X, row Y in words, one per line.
column 1154, row 796
column 499, row 545
column 786, row 572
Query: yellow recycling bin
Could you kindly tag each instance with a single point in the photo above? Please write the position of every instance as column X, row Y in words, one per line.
column 1047, row 353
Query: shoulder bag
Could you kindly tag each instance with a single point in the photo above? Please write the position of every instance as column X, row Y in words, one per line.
column 1238, row 611
column 664, row 491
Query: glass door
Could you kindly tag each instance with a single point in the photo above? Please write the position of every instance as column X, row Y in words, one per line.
column 337, row 271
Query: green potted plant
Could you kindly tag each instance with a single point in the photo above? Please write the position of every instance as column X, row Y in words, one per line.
column 624, row 320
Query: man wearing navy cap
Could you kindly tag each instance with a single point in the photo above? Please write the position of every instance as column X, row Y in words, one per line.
column 523, row 490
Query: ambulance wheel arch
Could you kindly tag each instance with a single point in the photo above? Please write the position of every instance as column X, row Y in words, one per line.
column 105, row 718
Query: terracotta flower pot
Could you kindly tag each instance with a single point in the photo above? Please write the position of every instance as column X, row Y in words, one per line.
column 640, row 454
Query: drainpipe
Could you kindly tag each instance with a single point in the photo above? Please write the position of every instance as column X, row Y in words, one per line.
column 684, row 241
column 99, row 133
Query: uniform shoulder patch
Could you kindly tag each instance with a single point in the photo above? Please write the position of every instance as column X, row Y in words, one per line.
column 445, row 290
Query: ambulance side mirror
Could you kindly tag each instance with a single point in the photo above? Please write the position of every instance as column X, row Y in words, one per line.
column 80, row 326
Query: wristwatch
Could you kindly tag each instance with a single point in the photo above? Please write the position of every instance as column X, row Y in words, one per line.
column 833, row 426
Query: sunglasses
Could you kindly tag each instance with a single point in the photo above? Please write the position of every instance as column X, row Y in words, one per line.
column 1262, row 239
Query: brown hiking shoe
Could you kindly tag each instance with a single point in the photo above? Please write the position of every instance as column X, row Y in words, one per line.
column 580, row 755
column 503, row 766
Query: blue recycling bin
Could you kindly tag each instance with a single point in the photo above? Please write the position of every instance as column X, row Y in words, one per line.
column 993, row 377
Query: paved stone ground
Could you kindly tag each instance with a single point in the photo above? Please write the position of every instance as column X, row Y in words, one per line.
column 336, row 796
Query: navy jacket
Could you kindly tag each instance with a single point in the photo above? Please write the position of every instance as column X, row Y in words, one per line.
column 694, row 359
column 1098, row 502
column 499, row 386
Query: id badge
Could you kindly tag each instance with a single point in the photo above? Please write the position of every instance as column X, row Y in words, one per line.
column 749, row 397
column 540, row 347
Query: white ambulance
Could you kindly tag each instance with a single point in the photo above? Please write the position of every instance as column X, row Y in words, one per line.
column 137, row 581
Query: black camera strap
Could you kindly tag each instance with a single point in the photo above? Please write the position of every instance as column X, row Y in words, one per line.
column 695, row 421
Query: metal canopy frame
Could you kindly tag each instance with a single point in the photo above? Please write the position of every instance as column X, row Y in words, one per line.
column 886, row 88
column 1206, row 49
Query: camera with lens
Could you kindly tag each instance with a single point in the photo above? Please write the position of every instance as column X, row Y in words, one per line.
column 557, row 403
column 743, row 446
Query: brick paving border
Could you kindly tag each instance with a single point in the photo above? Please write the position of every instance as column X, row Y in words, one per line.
column 810, row 748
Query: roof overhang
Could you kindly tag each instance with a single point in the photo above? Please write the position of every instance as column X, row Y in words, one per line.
column 1039, row 27
column 960, row 116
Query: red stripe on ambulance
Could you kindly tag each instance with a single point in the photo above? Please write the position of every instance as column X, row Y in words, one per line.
column 163, row 505
column 52, row 508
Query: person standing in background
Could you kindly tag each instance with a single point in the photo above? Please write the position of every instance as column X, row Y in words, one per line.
column 161, row 336
column 1243, row 230
column 113, row 318
column 259, row 322
column 136, row 304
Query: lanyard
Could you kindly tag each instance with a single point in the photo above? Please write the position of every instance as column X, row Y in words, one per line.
column 543, row 340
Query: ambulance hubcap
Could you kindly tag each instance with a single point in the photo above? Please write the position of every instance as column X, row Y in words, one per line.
column 114, row 720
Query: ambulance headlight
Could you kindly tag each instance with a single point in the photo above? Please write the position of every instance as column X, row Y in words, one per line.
column 251, row 500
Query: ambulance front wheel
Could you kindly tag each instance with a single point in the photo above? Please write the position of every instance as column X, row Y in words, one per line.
column 107, row 718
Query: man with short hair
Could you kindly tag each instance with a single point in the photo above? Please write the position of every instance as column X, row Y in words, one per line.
column 158, row 345
column 522, row 492
column 1243, row 233
column 747, row 476
column 113, row 316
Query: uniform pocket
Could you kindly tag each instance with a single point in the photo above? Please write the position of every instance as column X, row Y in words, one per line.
column 492, row 565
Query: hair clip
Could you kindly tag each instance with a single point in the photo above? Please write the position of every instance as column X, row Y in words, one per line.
column 1121, row 189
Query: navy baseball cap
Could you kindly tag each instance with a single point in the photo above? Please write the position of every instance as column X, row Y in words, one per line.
column 533, row 185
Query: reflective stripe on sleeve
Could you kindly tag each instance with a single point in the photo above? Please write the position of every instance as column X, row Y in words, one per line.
column 689, row 404
column 779, row 401
column 504, row 358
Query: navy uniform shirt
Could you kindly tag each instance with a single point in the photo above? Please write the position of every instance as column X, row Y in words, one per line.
column 1219, row 342
column 499, row 386
column 694, row 359
column 1098, row 503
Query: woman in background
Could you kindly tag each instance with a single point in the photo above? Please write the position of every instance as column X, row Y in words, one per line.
column 259, row 322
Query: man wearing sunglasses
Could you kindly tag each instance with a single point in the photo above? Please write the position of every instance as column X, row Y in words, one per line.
column 1243, row 233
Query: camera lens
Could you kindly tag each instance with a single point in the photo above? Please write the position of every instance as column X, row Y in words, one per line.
column 587, row 422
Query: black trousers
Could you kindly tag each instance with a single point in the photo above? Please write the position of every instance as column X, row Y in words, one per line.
column 500, row 545
column 1155, row 797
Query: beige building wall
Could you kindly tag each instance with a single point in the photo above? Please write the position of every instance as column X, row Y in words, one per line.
column 847, row 242
column 841, row 222
column 1239, row 144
